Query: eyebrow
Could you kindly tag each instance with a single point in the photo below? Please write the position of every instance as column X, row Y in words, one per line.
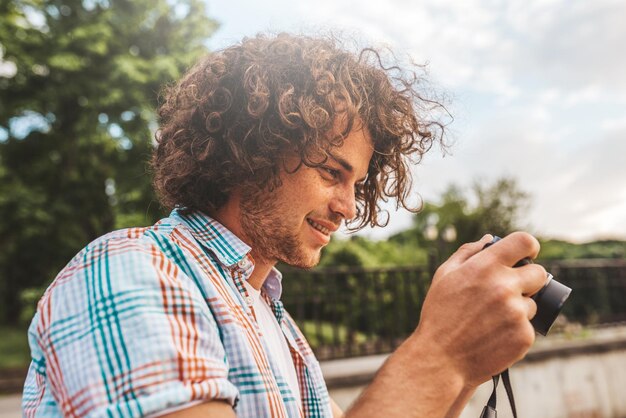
column 345, row 164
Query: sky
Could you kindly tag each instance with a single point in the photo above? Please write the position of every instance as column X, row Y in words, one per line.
column 537, row 90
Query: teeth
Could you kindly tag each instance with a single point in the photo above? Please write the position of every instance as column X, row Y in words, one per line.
column 319, row 227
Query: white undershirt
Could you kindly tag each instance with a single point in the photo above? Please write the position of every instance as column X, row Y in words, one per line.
column 274, row 339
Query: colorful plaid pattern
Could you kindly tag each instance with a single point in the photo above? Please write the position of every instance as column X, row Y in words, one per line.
column 147, row 319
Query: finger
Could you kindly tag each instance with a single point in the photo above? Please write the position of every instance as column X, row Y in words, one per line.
column 531, row 308
column 514, row 247
column 531, row 278
column 467, row 250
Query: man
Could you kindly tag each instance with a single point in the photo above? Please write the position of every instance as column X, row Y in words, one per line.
column 264, row 149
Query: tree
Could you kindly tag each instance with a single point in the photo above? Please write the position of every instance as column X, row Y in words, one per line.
column 500, row 206
column 79, row 81
column 460, row 217
column 361, row 252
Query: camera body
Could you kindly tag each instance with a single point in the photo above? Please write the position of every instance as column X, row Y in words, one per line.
column 550, row 299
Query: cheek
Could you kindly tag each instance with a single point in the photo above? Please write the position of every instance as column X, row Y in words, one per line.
column 301, row 188
column 314, row 199
column 305, row 192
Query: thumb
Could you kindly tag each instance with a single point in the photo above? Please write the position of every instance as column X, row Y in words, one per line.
column 467, row 250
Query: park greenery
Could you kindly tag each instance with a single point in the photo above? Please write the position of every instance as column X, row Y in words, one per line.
column 79, row 84
column 459, row 216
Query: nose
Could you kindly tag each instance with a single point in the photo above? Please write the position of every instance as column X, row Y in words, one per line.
column 343, row 203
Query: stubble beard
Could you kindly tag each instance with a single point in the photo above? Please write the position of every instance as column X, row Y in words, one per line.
column 269, row 232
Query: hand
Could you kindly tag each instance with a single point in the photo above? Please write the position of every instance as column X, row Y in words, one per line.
column 477, row 311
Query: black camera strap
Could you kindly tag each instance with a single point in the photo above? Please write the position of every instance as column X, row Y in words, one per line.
column 489, row 411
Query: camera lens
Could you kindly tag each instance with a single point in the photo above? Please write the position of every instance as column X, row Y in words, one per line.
column 550, row 300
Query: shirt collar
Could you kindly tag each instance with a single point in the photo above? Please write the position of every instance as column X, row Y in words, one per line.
column 272, row 287
column 231, row 251
column 214, row 236
column 273, row 284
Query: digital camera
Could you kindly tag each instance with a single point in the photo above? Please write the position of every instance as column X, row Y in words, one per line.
column 550, row 299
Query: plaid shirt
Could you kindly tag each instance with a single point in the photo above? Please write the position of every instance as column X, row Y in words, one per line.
column 144, row 320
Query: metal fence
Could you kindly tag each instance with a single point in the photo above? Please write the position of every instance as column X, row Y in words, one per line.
column 598, row 289
column 355, row 312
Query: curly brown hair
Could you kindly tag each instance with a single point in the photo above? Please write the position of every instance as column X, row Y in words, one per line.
column 225, row 123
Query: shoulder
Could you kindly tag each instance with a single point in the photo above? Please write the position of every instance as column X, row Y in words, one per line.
column 121, row 249
column 126, row 306
column 167, row 238
column 123, row 261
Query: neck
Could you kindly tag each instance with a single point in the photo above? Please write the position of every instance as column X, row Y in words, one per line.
column 259, row 274
column 229, row 215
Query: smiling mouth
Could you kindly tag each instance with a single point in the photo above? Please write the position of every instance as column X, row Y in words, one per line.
column 319, row 227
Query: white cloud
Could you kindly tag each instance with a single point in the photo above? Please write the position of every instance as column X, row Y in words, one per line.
column 589, row 94
column 612, row 124
column 548, row 44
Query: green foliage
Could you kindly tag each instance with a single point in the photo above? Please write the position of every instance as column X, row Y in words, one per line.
column 361, row 252
column 77, row 121
column 14, row 350
column 559, row 250
column 500, row 207
column 327, row 333
column 461, row 217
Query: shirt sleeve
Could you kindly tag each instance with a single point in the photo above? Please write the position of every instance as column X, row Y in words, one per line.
column 124, row 332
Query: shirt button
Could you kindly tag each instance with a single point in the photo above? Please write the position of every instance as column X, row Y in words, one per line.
column 249, row 300
column 243, row 263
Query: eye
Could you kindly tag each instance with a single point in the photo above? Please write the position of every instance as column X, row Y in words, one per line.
column 330, row 173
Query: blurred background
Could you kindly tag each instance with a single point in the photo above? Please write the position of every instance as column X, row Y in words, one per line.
column 537, row 95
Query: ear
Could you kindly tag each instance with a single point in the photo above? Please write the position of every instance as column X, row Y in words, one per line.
column 290, row 163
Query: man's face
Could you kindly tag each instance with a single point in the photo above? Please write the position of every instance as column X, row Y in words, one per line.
column 294, row 222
